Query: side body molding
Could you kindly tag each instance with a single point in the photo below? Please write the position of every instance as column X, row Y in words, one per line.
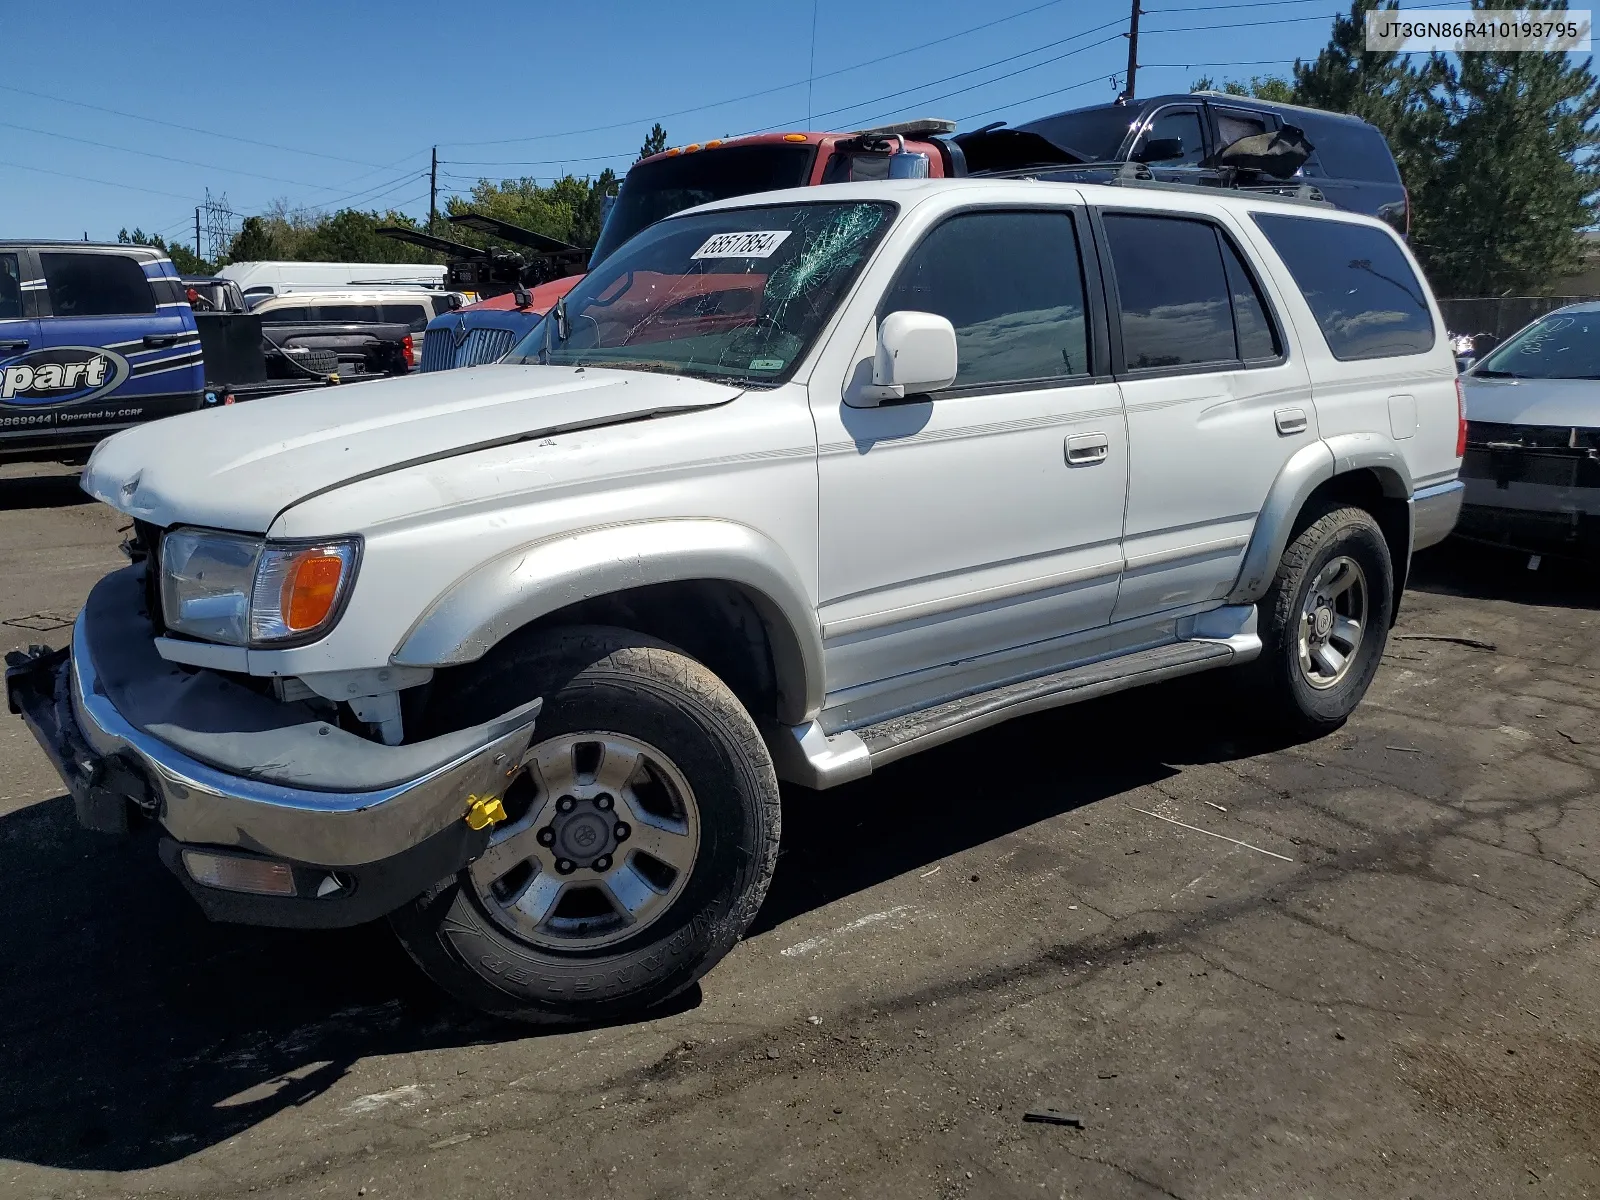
column 474, row 613
column 1307, row 469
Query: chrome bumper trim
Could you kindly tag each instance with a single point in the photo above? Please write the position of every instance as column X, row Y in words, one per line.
column 199, row 804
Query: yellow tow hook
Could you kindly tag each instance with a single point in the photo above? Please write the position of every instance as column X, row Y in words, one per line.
column 483, row 812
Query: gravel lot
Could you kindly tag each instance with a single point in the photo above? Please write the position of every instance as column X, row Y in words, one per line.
column 1363, row 966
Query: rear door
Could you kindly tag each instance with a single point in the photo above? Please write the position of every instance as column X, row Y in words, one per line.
column 122, row 335
column 1216, row 403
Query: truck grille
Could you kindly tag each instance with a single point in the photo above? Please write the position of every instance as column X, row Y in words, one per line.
column 1550, row 455
column 440, row 352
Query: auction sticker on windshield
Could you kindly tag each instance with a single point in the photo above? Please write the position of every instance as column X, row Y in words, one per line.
column 751, row 243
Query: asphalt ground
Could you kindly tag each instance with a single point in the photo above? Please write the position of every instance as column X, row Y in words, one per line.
column 1359, row 966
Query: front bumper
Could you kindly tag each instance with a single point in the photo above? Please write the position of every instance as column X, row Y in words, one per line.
column 222, row 767
column 1534, row 500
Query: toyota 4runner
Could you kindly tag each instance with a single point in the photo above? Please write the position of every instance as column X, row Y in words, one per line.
column 789, row 487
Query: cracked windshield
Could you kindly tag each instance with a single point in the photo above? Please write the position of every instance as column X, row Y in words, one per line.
column 735, row 295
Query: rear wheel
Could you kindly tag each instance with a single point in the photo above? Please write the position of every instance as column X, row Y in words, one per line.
column 640, row 837
column 1325, row 621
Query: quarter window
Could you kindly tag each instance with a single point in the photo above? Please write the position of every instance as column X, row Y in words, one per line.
column 1172, row 288
column 1367, row 300
column 96, row 285
column 1257, row 338
column 1012, row 285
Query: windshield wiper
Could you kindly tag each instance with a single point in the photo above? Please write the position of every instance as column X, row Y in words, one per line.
column 1483, row 373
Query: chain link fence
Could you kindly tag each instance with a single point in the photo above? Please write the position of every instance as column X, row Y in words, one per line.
column 1499, row 315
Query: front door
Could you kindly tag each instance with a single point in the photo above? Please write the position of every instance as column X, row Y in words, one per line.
column 988, row 516
column 1215, row 405
column 128, row 354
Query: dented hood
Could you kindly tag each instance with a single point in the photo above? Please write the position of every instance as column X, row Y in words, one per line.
column 238, row 467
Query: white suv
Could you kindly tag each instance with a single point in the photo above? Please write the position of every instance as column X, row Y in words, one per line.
column 790, row 487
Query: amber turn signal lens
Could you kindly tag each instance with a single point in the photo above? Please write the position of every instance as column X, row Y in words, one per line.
column 310, row 588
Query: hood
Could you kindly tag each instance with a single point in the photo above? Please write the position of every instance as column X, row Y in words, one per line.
column 239, row 467
column 1558, row 402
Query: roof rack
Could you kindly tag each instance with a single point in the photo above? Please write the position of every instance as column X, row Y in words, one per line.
column 1131, row 174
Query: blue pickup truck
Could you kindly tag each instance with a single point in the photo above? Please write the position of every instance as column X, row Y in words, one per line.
column 93, row 339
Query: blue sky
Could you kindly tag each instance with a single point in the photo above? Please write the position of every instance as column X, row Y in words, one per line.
column 339, row 102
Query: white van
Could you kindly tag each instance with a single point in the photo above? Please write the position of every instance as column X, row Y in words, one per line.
column 272, row 278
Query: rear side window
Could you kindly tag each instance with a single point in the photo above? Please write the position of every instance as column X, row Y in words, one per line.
column 1234, row 124
column 414, row 315
column 10, row 288
column 1176, row 306
column 348, row 312
column 1012, row 285
column 96, row 285
column 287, row 316
column 1365, row 296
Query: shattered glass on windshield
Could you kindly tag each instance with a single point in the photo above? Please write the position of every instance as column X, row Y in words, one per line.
column 736, row 295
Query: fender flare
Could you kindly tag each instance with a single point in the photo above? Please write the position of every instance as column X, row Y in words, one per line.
column 1308, row 469
column 477, row 611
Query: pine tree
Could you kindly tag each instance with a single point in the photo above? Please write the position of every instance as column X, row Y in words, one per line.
column 655, row 142
column 1516, row 178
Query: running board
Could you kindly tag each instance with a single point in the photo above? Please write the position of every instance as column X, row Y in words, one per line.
column 806, row 755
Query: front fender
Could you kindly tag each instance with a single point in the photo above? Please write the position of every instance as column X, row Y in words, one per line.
column 477, row 611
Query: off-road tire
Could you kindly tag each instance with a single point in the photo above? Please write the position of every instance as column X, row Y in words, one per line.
column 601, row 679
column 1277, row 683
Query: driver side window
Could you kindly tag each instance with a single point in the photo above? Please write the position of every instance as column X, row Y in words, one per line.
column 1174, row 139
column 1011, row 285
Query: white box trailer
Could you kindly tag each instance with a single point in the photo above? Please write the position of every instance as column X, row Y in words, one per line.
column 274, row 278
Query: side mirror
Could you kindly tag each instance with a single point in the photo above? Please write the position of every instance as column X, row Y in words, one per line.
column 908, row 164
column 916, row 353
column 1158, row 150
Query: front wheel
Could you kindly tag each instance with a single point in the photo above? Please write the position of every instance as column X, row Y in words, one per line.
column 1325, row 621
column 638, row 845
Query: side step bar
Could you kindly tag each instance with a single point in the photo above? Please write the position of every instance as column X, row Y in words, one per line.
column 808, row 756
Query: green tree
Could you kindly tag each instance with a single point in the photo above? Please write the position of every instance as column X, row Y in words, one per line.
column 1262, row 87
column 655, row 141
column 255, row 242
column 568, row 209
column 1515, row 181
column 184, row 259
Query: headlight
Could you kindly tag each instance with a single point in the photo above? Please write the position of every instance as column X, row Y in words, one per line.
column 224, row 587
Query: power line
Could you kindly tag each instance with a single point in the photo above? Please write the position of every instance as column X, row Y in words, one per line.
column 950, row 37
column 186, row 128
column 87, row 179
column 188, row 162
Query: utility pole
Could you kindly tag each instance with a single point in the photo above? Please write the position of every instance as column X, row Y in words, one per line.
column 1133, row 51
column 433, row 190
column 197, row 253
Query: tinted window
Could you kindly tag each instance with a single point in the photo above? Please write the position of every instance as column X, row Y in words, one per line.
column 1011, row 285
column 1175, row 302
column 1348, row 150
column 414, row 315
column 287, row 316
column 656, row 190
column 1364, row 294
column 10, row 287
column 1179, row 128
column 347, row 312
column 1257, row 338
column 96, row 285
column 1092, row 134
column 442, row 304
column 1232, row 124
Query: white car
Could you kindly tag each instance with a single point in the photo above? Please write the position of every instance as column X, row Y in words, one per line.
column 1532, row 466
column 790, row 487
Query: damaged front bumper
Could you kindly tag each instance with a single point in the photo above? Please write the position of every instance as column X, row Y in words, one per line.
column 344, row 829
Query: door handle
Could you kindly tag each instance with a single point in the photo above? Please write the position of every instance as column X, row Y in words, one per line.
column 14, row 344
column 1086, row 449
column 155, row 340
column 1290, row 420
